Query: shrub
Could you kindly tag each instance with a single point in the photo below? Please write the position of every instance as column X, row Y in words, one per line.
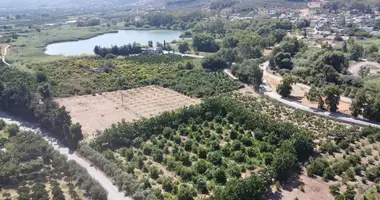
column 186, row 192
column 186, row 173
column 167, row 185
column 220, row 176
column 317, row 167
column 202, row 186
column 328, row 173
column 215, row 158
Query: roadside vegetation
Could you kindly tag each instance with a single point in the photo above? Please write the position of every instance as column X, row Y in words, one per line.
column 31, row 169
column 25, row 95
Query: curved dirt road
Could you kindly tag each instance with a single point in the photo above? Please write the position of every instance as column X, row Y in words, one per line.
column 113, row 193
column 4, row 54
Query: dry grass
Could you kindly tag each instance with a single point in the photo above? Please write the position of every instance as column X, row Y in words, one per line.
column 101, row 111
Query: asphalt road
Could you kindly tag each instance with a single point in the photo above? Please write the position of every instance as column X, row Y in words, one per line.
column 113, row 193
column 266, row 90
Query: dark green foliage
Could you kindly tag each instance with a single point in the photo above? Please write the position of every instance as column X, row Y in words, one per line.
column 284, row 162
column 27, row 149
column 186, row 192
column 285, row 87
column 214, row 63
column 317, row 167
column 220, row 176
column 252, row 188
column 12, row 130
column 249, row 72
column 20, row 97
column 183, row 46
column 199, row 83
column 125, row 50
column 167, row 185
column 57, row 192
column 373, row 173
column 205, row 43
column 202, row 186
column 328, row 173
column 209, row 151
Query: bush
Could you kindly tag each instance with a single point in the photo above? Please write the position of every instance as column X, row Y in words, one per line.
column 215, row 158
column 167, row 185
column 186, row 192
column 328, row 147
column 11, row 129
column 214, row 63
column 202, row 186
column 186, row 173
column 317, row 167
column 220, row 176
column 328, row 173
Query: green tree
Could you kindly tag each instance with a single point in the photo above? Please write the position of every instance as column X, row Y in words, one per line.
column 372, row 109
column 229, row 55
column 220, row 176
column 251, row 188
column 314, row 94
column 202, row 186
column 186, row 192
column 358, row 103
column 183, row 46
column 284, row 161
column 332, row 93
column 12, row 130
column 249, row 72
column 285, row 87
column 204, row 42
column 356, row 51
column 345, row 49
column 150, row 43
column 283, row 60
column 214, row 63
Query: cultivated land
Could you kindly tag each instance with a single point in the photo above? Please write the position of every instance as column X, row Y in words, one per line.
column 102, row 110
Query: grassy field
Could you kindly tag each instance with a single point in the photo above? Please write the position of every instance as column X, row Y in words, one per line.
column 30, row 43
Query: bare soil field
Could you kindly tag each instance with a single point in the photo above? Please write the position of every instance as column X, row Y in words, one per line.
column 354, row 68
column 102, row 110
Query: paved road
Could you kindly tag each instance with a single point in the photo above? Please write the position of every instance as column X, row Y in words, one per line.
column 5, row 53
column 266, row 90
column 113, row 193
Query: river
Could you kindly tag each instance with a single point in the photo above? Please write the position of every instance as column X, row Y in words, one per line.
column 112, row 190
column 120, row 38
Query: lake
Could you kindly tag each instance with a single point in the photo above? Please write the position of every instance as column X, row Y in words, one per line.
column 120, row 38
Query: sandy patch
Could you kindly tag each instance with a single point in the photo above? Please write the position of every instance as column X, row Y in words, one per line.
column 354, row 67
column 314, row 189
column 101, row 111
column 299, row 91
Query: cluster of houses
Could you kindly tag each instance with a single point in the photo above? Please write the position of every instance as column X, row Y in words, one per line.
column 326, row 24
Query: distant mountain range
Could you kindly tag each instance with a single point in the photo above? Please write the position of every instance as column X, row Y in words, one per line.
column 33, row 4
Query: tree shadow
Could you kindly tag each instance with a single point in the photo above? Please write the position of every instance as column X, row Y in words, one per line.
column 296, row 99
column 293, row 182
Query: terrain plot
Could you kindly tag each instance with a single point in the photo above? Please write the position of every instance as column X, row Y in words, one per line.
column 101, row 111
